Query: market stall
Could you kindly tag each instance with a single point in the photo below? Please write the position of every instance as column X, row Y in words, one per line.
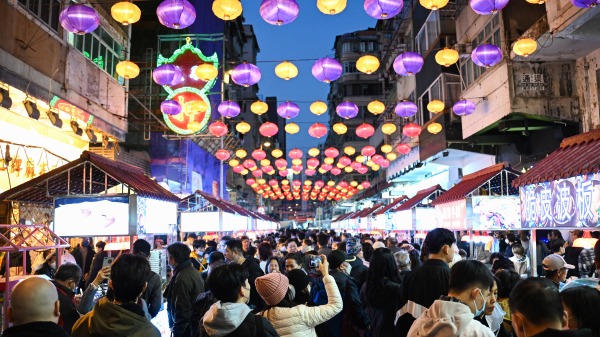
column 360, row 220
column 562, row 191
column 341, row 221
column 382, row 219
column 416, row 213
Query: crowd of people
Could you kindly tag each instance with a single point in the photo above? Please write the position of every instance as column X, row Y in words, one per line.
column 316, row 283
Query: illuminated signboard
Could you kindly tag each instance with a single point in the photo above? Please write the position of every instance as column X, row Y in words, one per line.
column 75, row 112
column 191, row 92
column 572, row 202
column 402, row 220
column 496, row 212
column 452, row 215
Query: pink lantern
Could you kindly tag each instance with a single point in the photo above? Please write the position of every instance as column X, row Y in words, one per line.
column 222, row 154
column 363, row 170
column 319, row 183
column 238, row 169
column 365, row 130
column 218, row 129
column 280, row 163
column 249, row 163
column 296, row 154
column 332, row 152
column 250, row 181
column 403, row 148
column 312, row 162
column 368, row 151
column 385, row 163
column 317, row 130
column 268, row 129
column 297, row 168
column 310, row 172
column 377, row 159
column 257, row 173
column 343, row 184
column 296, row 183
column 283, row 173
column 273, row 182
column 356, row 165
column 268, row 169
column 259, row 154
column 326, row 167
column 365, row 184
column 336, row 171
column 411, row 130
column 345, row 161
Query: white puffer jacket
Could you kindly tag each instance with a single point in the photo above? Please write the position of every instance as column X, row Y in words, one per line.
column 300, row 321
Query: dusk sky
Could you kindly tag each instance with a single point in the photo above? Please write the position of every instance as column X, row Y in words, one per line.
column 308, row 38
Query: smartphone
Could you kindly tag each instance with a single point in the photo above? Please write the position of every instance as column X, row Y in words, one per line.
column 107, row 261
column 313, row 261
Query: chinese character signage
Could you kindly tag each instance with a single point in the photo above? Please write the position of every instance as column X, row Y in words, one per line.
column 496, row 212
column 572, row 202
column 452, row 215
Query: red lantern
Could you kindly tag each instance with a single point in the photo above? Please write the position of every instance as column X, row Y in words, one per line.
column 218, row 129
column 326, row 167
column 411, row 130
column 365, row 184
column 343, row 184
column 385, row 163
column 362, row 169
column 280, row 163
column 268, row 169
column 296, row 154
column 403, row 148
column 297, row 168
column 222, row 154
column 336, row 171
column 356, row 165
column 238, row 169
column 249, row 163
column 345, row 161
column 365, row 130
column 317, row 130
column 273, row 182
column 310, row 172
column 377, row 159
column 283, row 173
column 257, row 173
column 268, row 129
column 312, row 162
column 250, row 181
column 332, row 152
column 368, row 151
column 259, row 154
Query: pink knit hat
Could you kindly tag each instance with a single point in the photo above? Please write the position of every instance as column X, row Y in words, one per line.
column 272, row 287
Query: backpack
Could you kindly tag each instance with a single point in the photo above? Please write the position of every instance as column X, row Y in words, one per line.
column 199, row 308
column 318, row 295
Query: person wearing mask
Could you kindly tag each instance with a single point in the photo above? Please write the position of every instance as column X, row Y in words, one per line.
column 235, row 255
column 358, row 270
column 97, row 261
column 153, row 293
column 536, row 310
column 322, row 243
column 555, row 269
column 453, row 315
column 48, row 268
column 520, row 260
column 301, row 283
column 84, row 254
column 245, row 245
column 307, row 244
column 189, row 240
column 289, row 319
column 581, row 305
column 380, row 294
column 214, row 260
column 222, row 245
column 231, row 316
column 185, row 286
column 430, row 281
column 403, row 262
column 34, row 310
column 507, row 279
column 197, row 255
column 493, row 315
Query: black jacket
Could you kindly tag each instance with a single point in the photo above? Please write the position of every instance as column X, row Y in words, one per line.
column 153, row 294
column 358, row 272
column 422, row 287
column 45, row 269
column 35, row 329
column 84, row 265
column 68, row 312
column 95, row 266
column 565, row 333
column 185, row 286
column 254, row 272
column 16, row 260
column 382, row 309
column 353, row 309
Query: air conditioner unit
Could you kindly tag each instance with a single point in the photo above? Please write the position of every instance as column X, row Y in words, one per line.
column 464, row 49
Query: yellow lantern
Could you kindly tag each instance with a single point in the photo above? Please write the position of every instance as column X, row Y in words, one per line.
column 318, row 107
column 331, row 183
column 536, row 2
column 434, row 128
column 340, row 128
column 360, row 187
column 265, row 162
column 227, row 9
column 446, row 57
column 322, row 171
column 391, row 156
column 307, row 182
column 297, row 162
column 340, row 165
column 244, row 172
column 125, row 12
column 328, row 160
column 375, row 167
column 348, row 169
column 433, row 4
column 292, row 128
column 206, row 72
column 360, row 158
column 388, row 128
column 234, row 162
column 349, row 150
column 255, row 185
column 242, row 127
column 436, row 106
column 376, row 107
column 286, row 70
column 127, row 69
column 353, row 183
column 387, row 148
column 313, row 152
column 241, row 153
column 261, row 181
column 285, row 182
column 367, row 64
column 259, row 107
column 370, row 163
column 194, row 126
column 277, row 153
column 525, row 47
column 331, row 7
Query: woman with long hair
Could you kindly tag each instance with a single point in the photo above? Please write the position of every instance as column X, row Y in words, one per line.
column 581, row 306
column 381, row 293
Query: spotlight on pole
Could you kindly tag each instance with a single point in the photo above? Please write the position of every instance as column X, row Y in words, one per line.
column 5, row 100
column 91, row 135
column 75, row 127
column 32, row 109
column 54, row 118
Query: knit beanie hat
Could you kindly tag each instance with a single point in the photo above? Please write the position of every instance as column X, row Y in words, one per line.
column 298, row 279
column 352, row 246
column 272, row 287
column 336, row 258
column 378, row 244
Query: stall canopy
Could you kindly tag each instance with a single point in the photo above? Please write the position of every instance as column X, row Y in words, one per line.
column 90, row 174
column 391, row 205
column 202, row 201
column 365, row 212
column 425, row 194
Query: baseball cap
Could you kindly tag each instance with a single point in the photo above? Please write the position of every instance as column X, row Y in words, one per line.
column 555, row 262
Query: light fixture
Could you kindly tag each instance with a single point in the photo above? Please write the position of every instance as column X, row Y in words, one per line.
column 259, row 107
column 5, row 100
column 206, row 72
column 286, row 70
column 331, row 7
column 125, row 12
column 434, row 128
column 525, row 47
column 91, row 135
column 433, row 4
column 436, row 106
column 267, row 144
column 446, row 57
column 75, row 127
column 31, row 109
column 318, row 107
column 367, row 64
column 242, row 127
column 127, row 69
column 227, row 9
column 54, row 118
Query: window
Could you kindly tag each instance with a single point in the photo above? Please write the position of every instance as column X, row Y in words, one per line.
column 46, row 10
column 445, row 88
column 489, row 34
column 350, row 67
column 362, row 89
column 429, row 33
column 101, row 48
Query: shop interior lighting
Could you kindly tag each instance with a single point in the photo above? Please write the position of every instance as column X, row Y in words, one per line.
column 54, row 118
column 75, row 126
column 32, row 109
column 5, row 100
column 91, row 135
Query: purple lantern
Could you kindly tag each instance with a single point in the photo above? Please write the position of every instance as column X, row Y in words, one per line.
column 406, row 109
column 176, row 14
column 408, row 63
column 327, row 69
column 246, row 74
column 463, row 107
column 229, row 109
column 288, row 110
column 487, row 7
column 170, row 107
column 584, row 3
column 486, row 55
column 383, row 9
column 167, row 74
column 279, row 12
column 347, row 110
column 79, row 19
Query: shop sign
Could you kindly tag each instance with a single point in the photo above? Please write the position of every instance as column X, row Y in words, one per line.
column 452, row 215
column 572, row 202
column 425, row 218
column 401, row 220
column 496, row 212
column 73, row 111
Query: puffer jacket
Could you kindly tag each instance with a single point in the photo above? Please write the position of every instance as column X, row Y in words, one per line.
column 300, row 321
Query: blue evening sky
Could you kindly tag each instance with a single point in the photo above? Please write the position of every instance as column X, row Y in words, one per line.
column 310, row 36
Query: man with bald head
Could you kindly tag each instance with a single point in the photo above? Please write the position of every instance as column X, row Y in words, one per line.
column 34, row 310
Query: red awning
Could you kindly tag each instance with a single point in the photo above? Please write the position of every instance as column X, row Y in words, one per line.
column 365, row 212
column 471, row 182
column 391, row 205
column 422, row 194
column 577, row 155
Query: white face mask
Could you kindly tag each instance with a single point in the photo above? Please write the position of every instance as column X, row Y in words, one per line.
column 348, row 268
